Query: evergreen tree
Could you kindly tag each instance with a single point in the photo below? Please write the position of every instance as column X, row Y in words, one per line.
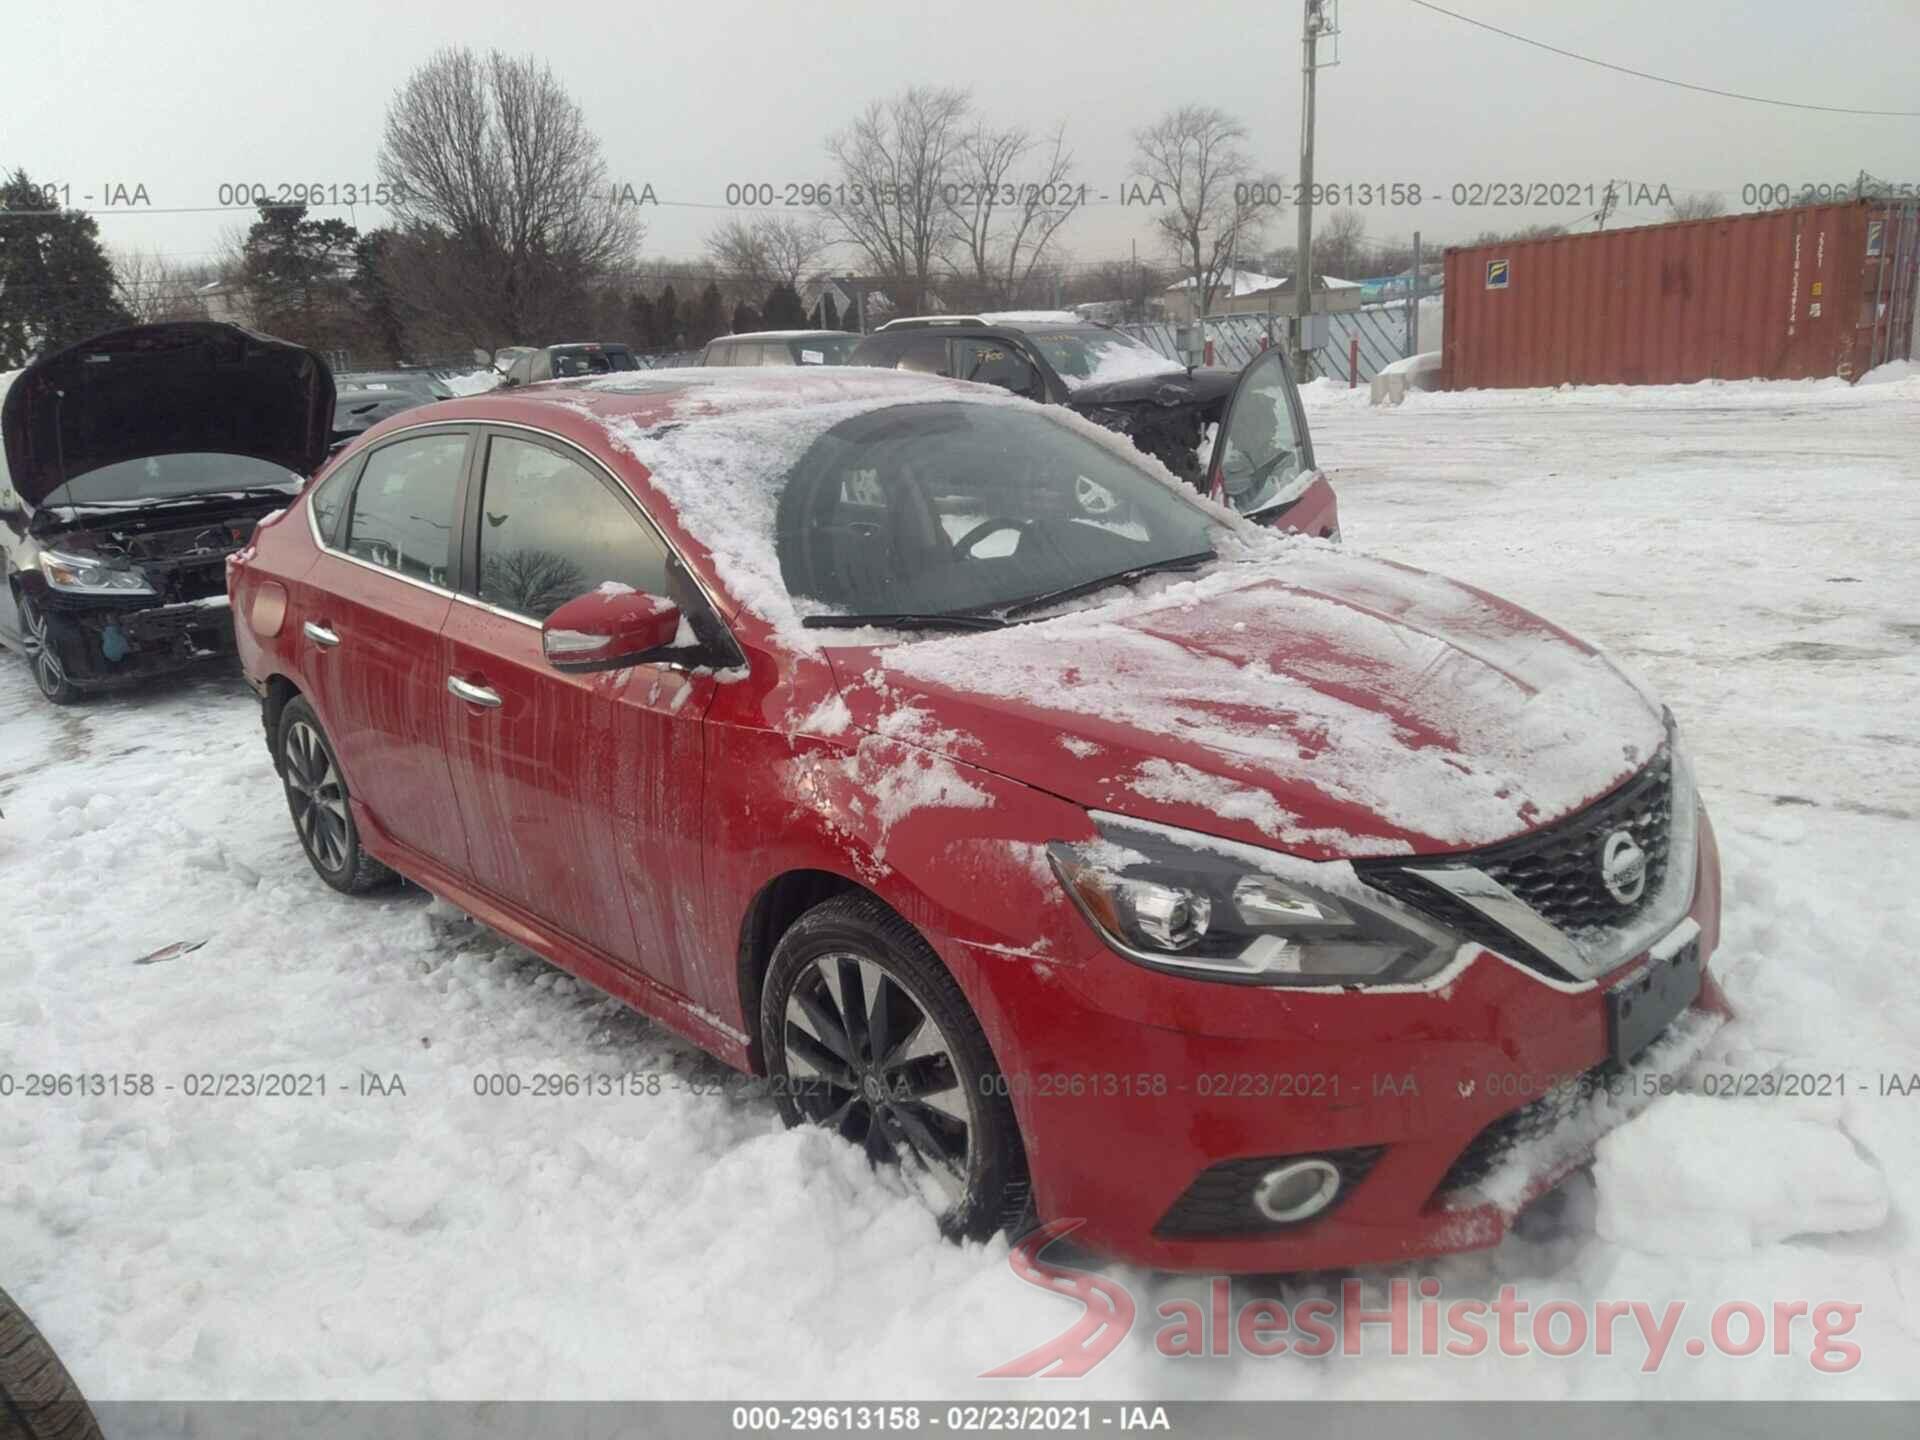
column 783, row 310
column 640, row 322
column 711, row 318
column 373, row 293
column 667, row 319
column 56, row 283
column 744, row 318
column 298, row 274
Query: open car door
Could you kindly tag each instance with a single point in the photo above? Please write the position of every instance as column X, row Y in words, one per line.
column 1262, row 461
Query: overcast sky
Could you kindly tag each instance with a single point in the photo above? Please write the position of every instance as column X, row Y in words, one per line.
column 181, row 96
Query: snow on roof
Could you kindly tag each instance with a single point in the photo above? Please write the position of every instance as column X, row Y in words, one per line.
column 1235, row 282
column 1032, row 317
column 780, row 334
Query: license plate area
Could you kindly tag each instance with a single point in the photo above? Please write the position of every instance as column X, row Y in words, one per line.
column 1645, row 1003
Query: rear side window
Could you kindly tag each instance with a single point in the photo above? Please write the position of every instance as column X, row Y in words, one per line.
column 551, row 529
column 330, row 498
column 403, row 508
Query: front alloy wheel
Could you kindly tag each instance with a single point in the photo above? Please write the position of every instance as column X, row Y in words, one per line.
column 866, row 1033
column 43, row 654
column 869, row 1062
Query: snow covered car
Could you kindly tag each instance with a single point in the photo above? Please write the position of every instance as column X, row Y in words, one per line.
column 1115, row 381
column 134, row 464
column 781, row 347
column 1037, row 825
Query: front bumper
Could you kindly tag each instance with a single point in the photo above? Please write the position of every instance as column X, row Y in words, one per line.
column 113, row 643
column 1130, row 1084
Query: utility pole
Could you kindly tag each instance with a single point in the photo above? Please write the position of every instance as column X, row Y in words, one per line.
column 1606, row 208
column 1413, row 301
column 1313, row 23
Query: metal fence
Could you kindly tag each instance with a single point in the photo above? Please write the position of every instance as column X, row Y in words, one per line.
column 1381, row 331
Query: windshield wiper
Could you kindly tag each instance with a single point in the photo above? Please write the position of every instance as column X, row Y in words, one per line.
column 1118, row 577
column 932, row 621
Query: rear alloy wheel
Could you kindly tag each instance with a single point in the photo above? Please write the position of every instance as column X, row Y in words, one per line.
column 317, row 800
column 43, row 654
column 867, row 1034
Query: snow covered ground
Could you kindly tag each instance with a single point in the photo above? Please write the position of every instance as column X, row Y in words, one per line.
column 1749, row 549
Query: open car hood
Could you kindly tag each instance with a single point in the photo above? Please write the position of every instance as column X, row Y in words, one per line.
column 177, row 388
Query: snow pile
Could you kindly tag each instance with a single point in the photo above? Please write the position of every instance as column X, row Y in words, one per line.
column 1124, row 361
column 1711, row 1175
column 476, row 382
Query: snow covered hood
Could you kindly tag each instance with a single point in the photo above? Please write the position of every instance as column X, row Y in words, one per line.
column 1167, row 384
column 1323, row 704
column 178, row 388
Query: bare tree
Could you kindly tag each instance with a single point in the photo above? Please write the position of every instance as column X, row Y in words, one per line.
column 507, row 216
column 154, row 288
column 896, row 163
column 1705, row 205
column 1340, row 245
column 756, row 255
column 1005, row 211
column 1213, row 205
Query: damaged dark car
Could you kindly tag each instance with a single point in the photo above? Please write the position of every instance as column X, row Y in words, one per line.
column 133, row 464
column 1166, row 409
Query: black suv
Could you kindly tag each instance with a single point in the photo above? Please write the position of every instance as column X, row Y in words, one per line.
column 1103, row 373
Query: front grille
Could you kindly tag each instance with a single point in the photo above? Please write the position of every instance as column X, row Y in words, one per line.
column 1556, row 870
column 1492, row 1145
column 1220, row 1201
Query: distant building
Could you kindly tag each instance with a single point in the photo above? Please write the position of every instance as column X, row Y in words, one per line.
column 226, row 302
column 1247, row 292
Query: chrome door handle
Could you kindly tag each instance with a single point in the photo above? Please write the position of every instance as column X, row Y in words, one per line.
column 320, row 635
column 472, row 694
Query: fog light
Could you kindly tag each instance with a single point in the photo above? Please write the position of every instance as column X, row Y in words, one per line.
column 1297, row 1190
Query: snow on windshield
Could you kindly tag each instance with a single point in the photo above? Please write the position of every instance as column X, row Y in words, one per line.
column 1101, row 357
column 724, row 460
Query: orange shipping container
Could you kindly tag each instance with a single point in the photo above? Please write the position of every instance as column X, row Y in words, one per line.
column 1781, row 294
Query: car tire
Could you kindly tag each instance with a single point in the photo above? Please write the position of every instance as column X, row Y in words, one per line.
column 38, row 1399
column 318, row 802
column 38, row 634
column 927, row 1094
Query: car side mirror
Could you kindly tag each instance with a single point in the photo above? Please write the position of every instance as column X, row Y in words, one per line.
column 606, row 629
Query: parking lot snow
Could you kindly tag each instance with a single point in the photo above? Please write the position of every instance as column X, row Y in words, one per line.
column 418, row 1230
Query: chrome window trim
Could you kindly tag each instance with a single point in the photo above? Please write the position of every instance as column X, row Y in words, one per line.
column 625, row 494
column 313, row 526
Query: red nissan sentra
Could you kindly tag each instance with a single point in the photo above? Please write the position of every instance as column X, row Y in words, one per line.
column 1068, row 840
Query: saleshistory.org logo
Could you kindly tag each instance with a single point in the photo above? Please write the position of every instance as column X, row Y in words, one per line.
column 1406, row 1325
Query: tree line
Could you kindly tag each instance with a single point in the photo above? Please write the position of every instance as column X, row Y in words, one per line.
column 508, row 229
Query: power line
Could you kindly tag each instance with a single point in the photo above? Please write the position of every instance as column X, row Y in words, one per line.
column 1663, row 79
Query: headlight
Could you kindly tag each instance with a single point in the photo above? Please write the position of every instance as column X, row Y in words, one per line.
column 1212, row 909
column 90, row 575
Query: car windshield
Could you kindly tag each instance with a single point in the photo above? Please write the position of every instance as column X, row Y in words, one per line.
column 356, row 410
column 170, row 477
column 1094, row 356
column 569, row 360
column 413, row 384
column 824, row 349
column 953, row 508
